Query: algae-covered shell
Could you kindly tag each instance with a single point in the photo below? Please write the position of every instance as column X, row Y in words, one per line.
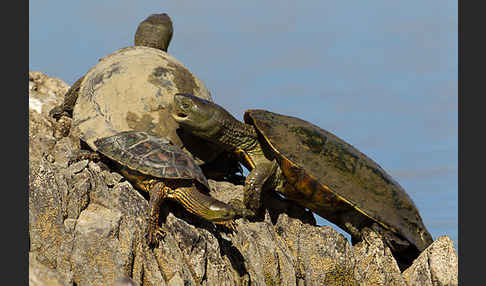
column 334, row 179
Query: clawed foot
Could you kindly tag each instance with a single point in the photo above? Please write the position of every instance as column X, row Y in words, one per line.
column 85, row 155
column 57, row 111
column 160, row 234
column 229, row 224
column 151, row 237
column 153, row 232
column 155, row 236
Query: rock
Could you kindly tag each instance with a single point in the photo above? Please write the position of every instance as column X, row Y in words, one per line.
column 45, row 92
column 46, row 212
column 41, row 275
column 320, row 254
column 125, row 281
column 374, row 262
column 97, row 255
column 436, row 265
column 87, row 226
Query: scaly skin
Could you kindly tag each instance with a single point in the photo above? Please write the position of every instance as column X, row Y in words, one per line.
column 189, row 197
column 213, row 123
column 155, row 32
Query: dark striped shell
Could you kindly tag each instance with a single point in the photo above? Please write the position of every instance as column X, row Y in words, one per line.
column 332, row 178
column 150, row 155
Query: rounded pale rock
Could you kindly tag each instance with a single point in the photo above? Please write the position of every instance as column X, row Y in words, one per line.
column 45, row 92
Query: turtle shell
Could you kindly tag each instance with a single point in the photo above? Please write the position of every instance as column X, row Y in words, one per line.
column 131, row 89
column 332, row 178
column 150, row 155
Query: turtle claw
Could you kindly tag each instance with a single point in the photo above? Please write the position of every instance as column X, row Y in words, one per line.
column 153, row 232
column 85, row 155
column 229, row 224
column 57, row 111
column 160, row 234
column 152, row 240
column 156, row 236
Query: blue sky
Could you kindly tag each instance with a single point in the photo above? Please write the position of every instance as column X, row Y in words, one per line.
column 381, row 75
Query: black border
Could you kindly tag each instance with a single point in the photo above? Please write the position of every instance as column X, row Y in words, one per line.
column 471, row 130
column 15, row 159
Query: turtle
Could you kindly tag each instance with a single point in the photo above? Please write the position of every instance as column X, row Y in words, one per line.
column 131, row 88
column 155, row 31
column 153, row 164
column 312, row 167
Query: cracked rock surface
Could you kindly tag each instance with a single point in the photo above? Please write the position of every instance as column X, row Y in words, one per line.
column 87, row 227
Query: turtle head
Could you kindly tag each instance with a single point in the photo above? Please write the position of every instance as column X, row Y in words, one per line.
column 199, row 116
column 155, row 32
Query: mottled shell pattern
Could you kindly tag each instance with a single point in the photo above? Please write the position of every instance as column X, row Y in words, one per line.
column 331, row 177
column 150, row 155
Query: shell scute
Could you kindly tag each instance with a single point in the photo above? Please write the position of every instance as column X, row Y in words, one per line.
column 150, row 155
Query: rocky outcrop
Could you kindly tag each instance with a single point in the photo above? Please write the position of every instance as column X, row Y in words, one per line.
column 437, row 265
column 40, row 275
column 87, row 227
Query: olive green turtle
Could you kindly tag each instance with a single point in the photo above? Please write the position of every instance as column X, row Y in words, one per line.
column 131, row 89
column 312, row 167
column 153, row 164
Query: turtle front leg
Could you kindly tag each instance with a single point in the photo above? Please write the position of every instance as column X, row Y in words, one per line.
column 254, row 184
column 158, row 192
column 66, row 108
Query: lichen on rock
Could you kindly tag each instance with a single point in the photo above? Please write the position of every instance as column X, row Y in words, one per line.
column 87, row 226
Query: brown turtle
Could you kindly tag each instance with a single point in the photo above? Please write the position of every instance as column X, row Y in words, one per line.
column 153, row 164
column 312, row 167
